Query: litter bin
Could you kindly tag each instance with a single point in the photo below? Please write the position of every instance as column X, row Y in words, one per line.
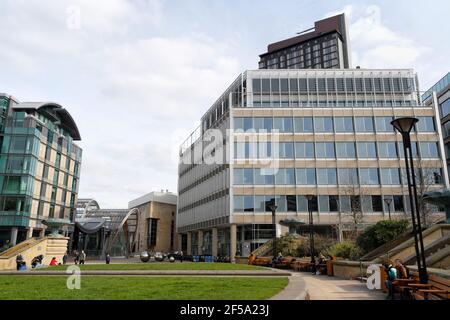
column 330, row 271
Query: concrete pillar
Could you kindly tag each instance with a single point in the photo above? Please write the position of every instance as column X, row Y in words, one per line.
column 214, row 242
column 233, row 243
column 179, row 242
column 200, row 242
column 13, row 239
column 189, row 243
column 42, row 233
column 29, row 233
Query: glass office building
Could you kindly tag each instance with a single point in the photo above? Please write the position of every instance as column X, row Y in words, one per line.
column 326, row 46
column 292, row 133
column 439, row 95
column 39, row 167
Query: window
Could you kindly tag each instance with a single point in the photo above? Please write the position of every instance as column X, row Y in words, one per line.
column 390, row 176
column 369, row 176
column 343, row 124
column 263, row 124
column 45, row 172
column 345, row 150
column 383, row 124
column 152, row 231
column 367, row 150
column 377, row 204
column 256, row 85
column 280, row 177
column 290, row 176
column 291, row 203
column 325, row 150
column 363, row 124
column 243, row 123
column 306, row 176
column 248, row 202
column 260, row 204
column 264, row 177
column 286, row 150
column 398, row 203
column 429, row 149
column 19, row 144
column 243, row 176
column 303, row 125
column 413, row 149
column 326, row 176
column 283, row 124
column 348, row 176
column 323, row 124
column 238, row 202
column 328, row 203
column 304, row 150
column 432, row 176
column 280, row 202
column 387, row 149
column 425, row 124
column 445, row 108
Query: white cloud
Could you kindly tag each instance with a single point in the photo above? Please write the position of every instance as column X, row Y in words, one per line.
column 375, row 45
column 135, row 95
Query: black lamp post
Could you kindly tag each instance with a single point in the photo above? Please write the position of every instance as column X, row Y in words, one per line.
column 310, row 197
column 388, row 202
column 273, row 208
column 404, row 126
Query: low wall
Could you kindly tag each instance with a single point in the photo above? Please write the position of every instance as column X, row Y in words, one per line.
column 349, row 269
column 49, row 247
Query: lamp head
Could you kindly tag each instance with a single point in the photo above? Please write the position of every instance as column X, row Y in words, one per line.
column 404, row 125
column 309, row 196
column 272, row 207
column 388, row 200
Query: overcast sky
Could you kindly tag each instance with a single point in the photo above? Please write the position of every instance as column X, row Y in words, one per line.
column 137, row 75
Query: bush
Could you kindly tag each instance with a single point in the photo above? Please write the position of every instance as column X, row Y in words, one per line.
column 345, row 250
column 381, row 233
column 321, row 243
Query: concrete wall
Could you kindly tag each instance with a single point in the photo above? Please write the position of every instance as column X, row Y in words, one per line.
column 349, row 269
column 49, row 247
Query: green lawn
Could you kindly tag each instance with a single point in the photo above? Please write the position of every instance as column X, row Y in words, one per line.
column 163, row 266
column 134, row 288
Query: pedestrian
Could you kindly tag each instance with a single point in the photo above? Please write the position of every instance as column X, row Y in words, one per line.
column 54, row 262
column 64, row 259
column 82, row 257
column 391, row 276
column 19, row 261
column 181, row 256
column 108, row 258
column 76, row 257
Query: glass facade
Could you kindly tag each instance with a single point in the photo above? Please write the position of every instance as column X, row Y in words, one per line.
column 31, row 184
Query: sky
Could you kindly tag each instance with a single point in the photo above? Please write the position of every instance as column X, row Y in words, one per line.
column 137, row 75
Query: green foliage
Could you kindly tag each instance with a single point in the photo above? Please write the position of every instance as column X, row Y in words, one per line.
column 288, row 244
column 321, row 243
column 381, row 233
column 345, row 250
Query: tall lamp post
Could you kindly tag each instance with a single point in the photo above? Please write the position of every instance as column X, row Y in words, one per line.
column 273, row 208
column 404, row 126
column 310, row 197
column 388, row 202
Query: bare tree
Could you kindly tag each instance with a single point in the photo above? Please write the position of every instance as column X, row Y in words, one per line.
column 353, row 216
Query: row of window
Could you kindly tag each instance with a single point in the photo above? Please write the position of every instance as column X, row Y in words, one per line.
column 312, row 102
column 277, row 85
column 330, row 150
column 345, row 124
column 330, row 176
column 325, row 203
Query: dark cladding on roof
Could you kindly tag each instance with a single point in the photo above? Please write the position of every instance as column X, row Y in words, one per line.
column 56, row 111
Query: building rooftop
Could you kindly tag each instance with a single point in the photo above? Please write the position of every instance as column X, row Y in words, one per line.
column 162, row 197
column 438, row 87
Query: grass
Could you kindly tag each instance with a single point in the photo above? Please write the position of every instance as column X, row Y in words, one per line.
column 140, row 288
column 162, row 266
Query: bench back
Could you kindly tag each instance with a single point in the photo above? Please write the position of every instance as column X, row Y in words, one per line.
column 438, row 283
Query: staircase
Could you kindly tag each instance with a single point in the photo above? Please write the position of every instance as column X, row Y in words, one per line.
column 13, row 251
column 264, row 249
column 372, row 255
column 430, row 250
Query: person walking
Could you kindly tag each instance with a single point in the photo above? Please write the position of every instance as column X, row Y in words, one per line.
column 82, row 257
column 76, row 257
column 107, row 258
column 181, row 256
column 19, row 261
column 64, row 259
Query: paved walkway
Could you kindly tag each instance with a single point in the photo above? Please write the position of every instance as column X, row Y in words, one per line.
column 313, row 287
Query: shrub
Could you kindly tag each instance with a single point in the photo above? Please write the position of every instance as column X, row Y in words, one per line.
column 381, row 233
column 345, row 250
column 321, row 243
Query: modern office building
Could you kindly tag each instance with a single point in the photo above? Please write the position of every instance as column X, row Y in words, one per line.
column 156, row 222
column 326, row 46
column 439, row 95
column 39, row 167
column 292, row 133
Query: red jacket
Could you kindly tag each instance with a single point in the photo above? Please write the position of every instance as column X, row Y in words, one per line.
column 53, row 262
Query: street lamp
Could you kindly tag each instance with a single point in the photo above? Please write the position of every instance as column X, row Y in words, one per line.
column 388, row 201
column 273, row 208
column 310, row 197
column 404, row 126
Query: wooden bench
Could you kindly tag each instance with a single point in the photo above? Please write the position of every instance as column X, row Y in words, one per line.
column 437, row 288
